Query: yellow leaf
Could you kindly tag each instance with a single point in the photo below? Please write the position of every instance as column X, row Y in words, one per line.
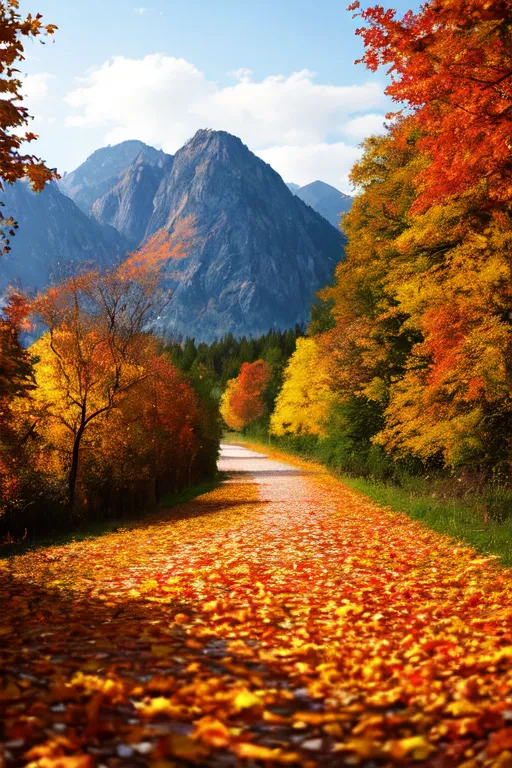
column 255, row 752
column 415, row 747
column 462, row 708
column 245, row 700
column 161, row 706
column 149, row 585
column 211, row 731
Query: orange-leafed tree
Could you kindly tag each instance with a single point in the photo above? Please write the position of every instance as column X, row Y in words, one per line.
column 15, row 30
column 227, row 411
column 94, row 350
column 451, row 64
column 150, row 440
column 243, row 401
column 168, row 420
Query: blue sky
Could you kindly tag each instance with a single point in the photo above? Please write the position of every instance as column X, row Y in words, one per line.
column 278, row 73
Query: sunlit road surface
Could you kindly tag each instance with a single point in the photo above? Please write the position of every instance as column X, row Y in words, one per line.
column 282, row 619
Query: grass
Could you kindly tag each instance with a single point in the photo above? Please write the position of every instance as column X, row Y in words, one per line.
column 91, row 529
column 460, row 518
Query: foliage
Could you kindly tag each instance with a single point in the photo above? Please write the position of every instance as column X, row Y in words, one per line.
column 243, row 401
column 93, row 353
column 14, row 117
column 303, row 403
column 109, row 423
column 213, row 365
column 420, row 330
column 451, row 64
column 228, row 413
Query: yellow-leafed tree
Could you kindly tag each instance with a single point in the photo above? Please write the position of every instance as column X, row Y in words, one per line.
column 231, row 418
column 303, row 403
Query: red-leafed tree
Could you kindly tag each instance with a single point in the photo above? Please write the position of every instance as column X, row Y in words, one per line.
column 451, row 64
column 243, row 401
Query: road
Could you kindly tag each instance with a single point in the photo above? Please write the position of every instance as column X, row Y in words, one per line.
column 281, row 619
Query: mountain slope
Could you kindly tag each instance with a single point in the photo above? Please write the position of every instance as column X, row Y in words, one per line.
column 327, row 200
column 54, row 234
column 260, row 253
column 100, row 172
column 128, row 205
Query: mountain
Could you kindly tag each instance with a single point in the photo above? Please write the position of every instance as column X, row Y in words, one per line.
column 260, row 253
column 102, row 171
column 128, row 205
column 293, row 187
column 327, row 200
column 53, row 235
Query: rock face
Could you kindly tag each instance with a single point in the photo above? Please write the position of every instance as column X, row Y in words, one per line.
column 128, row 205
column 260, row 253
column 103, row 170
column 54, row 236
column 327, row 200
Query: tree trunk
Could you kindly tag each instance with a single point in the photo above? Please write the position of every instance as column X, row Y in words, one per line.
column 73, row 472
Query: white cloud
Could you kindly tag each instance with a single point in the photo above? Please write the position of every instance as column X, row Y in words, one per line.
column 163, row 101
column 328, row 162
column 242, row 74
column 365, row 125
column 140, row 11
column 35, row 87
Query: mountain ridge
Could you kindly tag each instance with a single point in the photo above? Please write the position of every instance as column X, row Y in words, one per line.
column 260, row 252
column 98, row 174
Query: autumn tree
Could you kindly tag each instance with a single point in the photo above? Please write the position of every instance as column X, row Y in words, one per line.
column 303, row 403
column 243, row 401
column 449, row 276
column 227, row 411
column 167, row 429
column 451, row 65
column 15, row 30
column 92, row 353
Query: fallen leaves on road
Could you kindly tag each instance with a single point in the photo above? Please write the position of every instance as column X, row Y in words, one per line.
column 298, row 624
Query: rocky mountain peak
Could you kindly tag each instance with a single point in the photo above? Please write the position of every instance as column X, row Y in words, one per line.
column 99, row 173
column 260, row 252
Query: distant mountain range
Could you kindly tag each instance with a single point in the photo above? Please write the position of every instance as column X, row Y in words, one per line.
column 327, row 200
column 54, row 236
column 260, row 253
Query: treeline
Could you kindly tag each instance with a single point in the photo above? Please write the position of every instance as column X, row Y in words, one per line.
column 211, row 366
column 408, row 370
column 96, row 421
